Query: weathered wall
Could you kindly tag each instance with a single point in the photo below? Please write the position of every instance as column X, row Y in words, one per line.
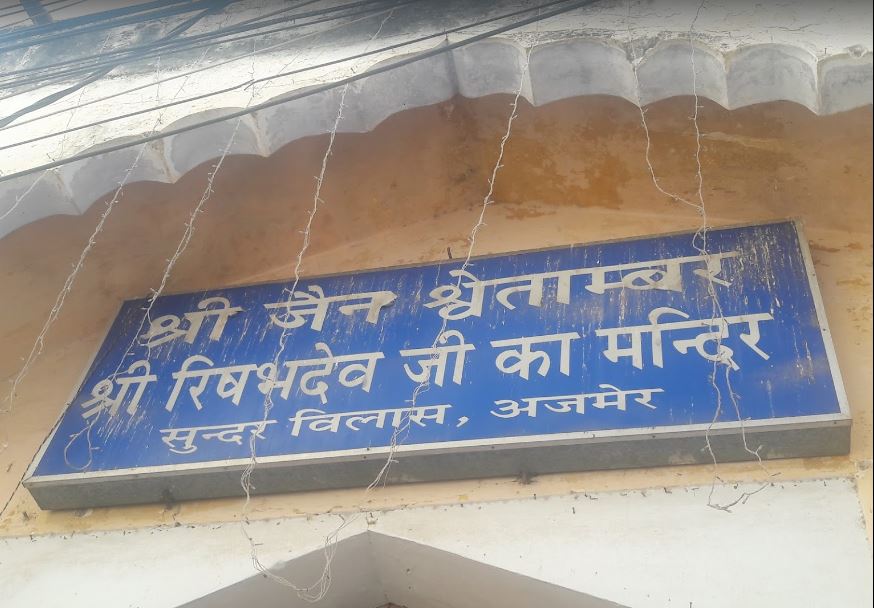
column 790, row 547
column 574, row 171
column 814, row 52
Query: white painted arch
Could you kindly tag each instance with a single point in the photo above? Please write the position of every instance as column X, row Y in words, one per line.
column 741, row 56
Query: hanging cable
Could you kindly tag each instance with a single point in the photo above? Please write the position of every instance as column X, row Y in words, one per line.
column 49, row 99
column 28, row 18
column 183, row 46
column 271, row 48
column 91, row 18
column 303, row 94
column 166, row 51
column 699, row 243
column 149, row 49
column 62, row 30
column 16, row 8
column 7, row 403
column 169, row 78
column 5, row 122
column 316, row 591
column 248, row 83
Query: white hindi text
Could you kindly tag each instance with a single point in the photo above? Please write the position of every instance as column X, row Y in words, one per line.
column 665, row 274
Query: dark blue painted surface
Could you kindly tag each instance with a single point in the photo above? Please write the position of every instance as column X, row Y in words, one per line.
column 767, row 276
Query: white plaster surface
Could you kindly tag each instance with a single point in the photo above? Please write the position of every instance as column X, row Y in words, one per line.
column 817, row 54
column 794, row 544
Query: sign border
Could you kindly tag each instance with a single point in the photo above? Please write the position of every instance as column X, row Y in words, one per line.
column 834, row 429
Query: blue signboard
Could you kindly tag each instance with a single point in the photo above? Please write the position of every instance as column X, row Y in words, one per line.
column 573, row 346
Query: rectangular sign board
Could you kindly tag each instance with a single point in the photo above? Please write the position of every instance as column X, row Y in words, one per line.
column 609, row 355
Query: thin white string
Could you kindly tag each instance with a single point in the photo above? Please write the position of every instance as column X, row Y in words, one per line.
column 61, row 145
column 699, row 242
column 488, row 199
column 87, row 430
column 322, row 585
column 317, row 201
column 186, row 77
column 82, row 91
column 716, row 311
column 181, row 246
column 22, row 196
column 332, row 539
column 39, row 343
column 316, row 591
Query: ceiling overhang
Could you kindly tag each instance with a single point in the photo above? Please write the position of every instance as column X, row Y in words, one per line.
column 734, row 67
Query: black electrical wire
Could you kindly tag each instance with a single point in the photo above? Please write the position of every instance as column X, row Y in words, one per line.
column 190, row 40
column 177, row 76
column 161, row 106
column 27, row 37
column 49, row 99
column 194, row 5
column 397, row 3
column 8, row 26
column 156, row 48
column 309, row 92
column 89, row 19
column 18, row 8
column 250, row 24
column 249, row 83
column 167, row 79
column 104, row 56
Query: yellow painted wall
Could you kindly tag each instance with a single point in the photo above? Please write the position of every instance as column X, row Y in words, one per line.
column 574, row 171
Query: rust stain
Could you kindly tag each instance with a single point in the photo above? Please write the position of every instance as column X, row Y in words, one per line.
column 818, row 247
column 761, row 143
column 520, row 212
column 856, row 282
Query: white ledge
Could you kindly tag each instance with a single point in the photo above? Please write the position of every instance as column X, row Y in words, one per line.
column 570, row 67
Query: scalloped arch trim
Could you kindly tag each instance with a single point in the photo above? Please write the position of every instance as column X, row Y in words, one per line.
column 571, row 67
